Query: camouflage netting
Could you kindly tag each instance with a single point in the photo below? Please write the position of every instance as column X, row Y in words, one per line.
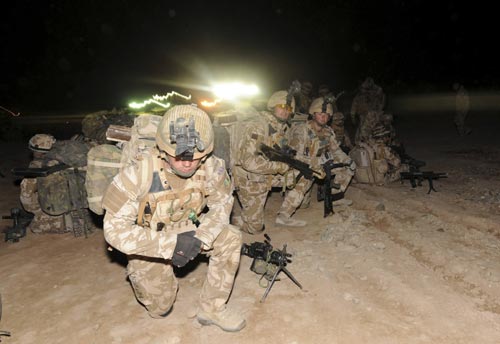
column 94, row 125
column 71, row 153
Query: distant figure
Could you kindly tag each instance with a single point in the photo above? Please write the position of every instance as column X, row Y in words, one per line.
column 462, row 106
column 323, row 90
column 370, row 97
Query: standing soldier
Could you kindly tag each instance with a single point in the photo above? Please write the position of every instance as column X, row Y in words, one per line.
column 462, row 106
column 255, row 175
column 370, row 97
column 40, row 145
column 156, row 214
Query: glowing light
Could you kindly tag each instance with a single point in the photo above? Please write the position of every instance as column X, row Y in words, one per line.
column 234, row 90
column 207, row 103
column 158, row 100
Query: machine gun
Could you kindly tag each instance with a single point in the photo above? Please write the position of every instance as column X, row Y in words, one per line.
column 287, row 155
column 325, row 189
column 416, row 178
column 268, row 262
column 20, row 221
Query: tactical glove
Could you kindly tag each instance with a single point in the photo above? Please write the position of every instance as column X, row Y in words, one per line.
column 186, row 249
column 282, row 168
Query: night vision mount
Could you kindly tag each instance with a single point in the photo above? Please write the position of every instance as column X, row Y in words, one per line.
column 186, row 138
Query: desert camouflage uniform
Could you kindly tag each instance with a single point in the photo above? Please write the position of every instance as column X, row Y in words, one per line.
column 462, row 104
column 341, row 135
column 42, row 222
column 371, row 97
column 366, row 126
column 391, row 163
column 315, row 148
column 164, row 205
column 254, row 175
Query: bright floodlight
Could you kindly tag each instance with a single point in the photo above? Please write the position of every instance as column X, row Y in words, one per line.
column 234, row 90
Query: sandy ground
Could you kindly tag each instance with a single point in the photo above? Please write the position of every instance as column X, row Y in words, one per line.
column 399, row 266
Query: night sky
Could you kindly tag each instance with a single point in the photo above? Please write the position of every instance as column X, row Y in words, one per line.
column 91, row 55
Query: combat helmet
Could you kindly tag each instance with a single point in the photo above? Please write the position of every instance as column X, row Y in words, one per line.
column 41, row 143
column 280, row 98
column 318, row 105
column 186, row 132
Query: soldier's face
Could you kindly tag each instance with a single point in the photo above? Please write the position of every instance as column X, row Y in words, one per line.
column 282, row 112
column 321, row 118
column 183, row 168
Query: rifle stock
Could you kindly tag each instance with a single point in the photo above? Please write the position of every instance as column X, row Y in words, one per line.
column 34, row 172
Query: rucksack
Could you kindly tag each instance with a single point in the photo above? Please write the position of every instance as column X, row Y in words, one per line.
column 229, row 127
column 369, row 170
column 105, row 161
column 64, row 191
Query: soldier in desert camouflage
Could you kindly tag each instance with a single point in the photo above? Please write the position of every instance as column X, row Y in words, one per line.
column 40, row 145
column 156, row 213
column 315, row 144
column 255, row 175
column 462, row 107
column 369, row 99
column 341, row 135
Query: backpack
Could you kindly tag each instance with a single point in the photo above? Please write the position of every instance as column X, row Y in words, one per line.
column 64, row 191
column 369, row 170
column 229, row 127
column 105, row 161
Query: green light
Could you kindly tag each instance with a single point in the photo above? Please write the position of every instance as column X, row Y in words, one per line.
column 156, row 99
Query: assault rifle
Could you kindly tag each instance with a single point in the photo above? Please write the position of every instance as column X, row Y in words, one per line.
column 34, row 172
column 287, row 155
column 268, row 262
column 416, row 178
column 20, row 220
column 325, row 189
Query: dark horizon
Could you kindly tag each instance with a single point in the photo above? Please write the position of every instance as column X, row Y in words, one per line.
column 91, row 55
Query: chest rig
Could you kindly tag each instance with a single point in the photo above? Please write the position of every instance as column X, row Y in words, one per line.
column 172, row 202
column 319, row 143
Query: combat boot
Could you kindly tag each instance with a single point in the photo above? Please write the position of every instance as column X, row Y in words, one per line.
column 284, row 220
column 227, row 320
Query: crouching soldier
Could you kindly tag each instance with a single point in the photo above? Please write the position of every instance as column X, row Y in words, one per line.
column 156, row 213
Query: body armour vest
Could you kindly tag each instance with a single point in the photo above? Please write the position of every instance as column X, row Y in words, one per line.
column 172, row 202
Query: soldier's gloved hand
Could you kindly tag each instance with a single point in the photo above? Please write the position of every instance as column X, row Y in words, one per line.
column 186, row 249
column 320, row 173
column 282, row 168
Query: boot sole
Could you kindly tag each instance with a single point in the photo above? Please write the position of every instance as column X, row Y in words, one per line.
column 208, row 322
